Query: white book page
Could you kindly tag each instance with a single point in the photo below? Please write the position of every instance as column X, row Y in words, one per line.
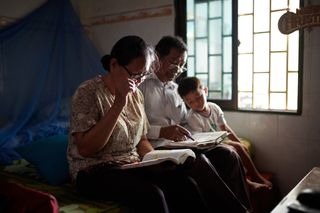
column 178, row 156
column 142, row 163
column 206, row 137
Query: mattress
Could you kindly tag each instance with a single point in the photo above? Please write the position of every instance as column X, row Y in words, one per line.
column 24, row 173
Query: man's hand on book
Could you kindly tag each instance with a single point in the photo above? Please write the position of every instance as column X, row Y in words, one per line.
column 174, row 132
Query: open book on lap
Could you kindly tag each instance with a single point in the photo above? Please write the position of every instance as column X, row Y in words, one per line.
column 177, row 156
column 203, row 140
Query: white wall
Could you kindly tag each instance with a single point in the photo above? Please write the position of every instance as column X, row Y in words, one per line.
column 287, row 145
column 110, row 21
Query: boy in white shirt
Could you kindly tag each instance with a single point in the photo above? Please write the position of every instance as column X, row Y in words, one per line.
column 206, row 116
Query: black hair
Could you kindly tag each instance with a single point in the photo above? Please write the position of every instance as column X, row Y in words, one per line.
column 125, row 50
column 166, row 43
column 188, row 84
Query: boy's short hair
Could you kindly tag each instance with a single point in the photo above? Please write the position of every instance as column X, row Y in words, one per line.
column 187, row 85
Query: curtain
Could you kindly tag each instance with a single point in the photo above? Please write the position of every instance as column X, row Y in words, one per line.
column 43, row 59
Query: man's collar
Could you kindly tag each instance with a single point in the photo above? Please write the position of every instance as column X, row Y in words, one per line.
column 168, row 84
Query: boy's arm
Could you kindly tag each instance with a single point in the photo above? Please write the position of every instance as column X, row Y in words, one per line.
column 232, row 135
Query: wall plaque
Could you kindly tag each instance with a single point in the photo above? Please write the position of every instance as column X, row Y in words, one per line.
column 304, row 17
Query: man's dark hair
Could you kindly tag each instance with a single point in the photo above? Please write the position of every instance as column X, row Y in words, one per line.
column 187, row 85
column 166, row 43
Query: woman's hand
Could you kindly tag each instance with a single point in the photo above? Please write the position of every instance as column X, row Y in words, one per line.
column 123, row 84
column 123, row 87
column 174, row 132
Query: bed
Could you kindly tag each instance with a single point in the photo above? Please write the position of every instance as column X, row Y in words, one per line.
column 24, row 173
column 44, row 167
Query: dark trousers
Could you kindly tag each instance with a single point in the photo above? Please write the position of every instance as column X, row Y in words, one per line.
column 221, row 177
column 213, row 182
column 158, row 188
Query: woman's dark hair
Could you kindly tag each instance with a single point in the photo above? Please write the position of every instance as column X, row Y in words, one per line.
column 187, row 85
column 127, row 49
column 166, row 43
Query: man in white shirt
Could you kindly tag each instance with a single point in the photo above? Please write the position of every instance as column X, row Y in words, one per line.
column 165, row 109
column 167, row 113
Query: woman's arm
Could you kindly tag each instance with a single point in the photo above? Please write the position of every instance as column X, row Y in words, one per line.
column 95, row 139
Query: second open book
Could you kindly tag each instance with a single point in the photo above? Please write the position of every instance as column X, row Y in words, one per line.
column 202, row 140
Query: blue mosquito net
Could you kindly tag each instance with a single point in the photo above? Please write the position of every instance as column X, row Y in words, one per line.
column 43, row 59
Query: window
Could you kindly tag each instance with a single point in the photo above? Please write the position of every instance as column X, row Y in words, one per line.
column 236, row 49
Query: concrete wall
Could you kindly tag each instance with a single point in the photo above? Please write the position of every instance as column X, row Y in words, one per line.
column 148, row 19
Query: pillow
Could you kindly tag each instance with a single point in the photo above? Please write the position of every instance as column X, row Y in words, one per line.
column 248, row 144
column 49, row 156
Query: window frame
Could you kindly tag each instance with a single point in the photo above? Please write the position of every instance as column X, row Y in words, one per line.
column 232, row 105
